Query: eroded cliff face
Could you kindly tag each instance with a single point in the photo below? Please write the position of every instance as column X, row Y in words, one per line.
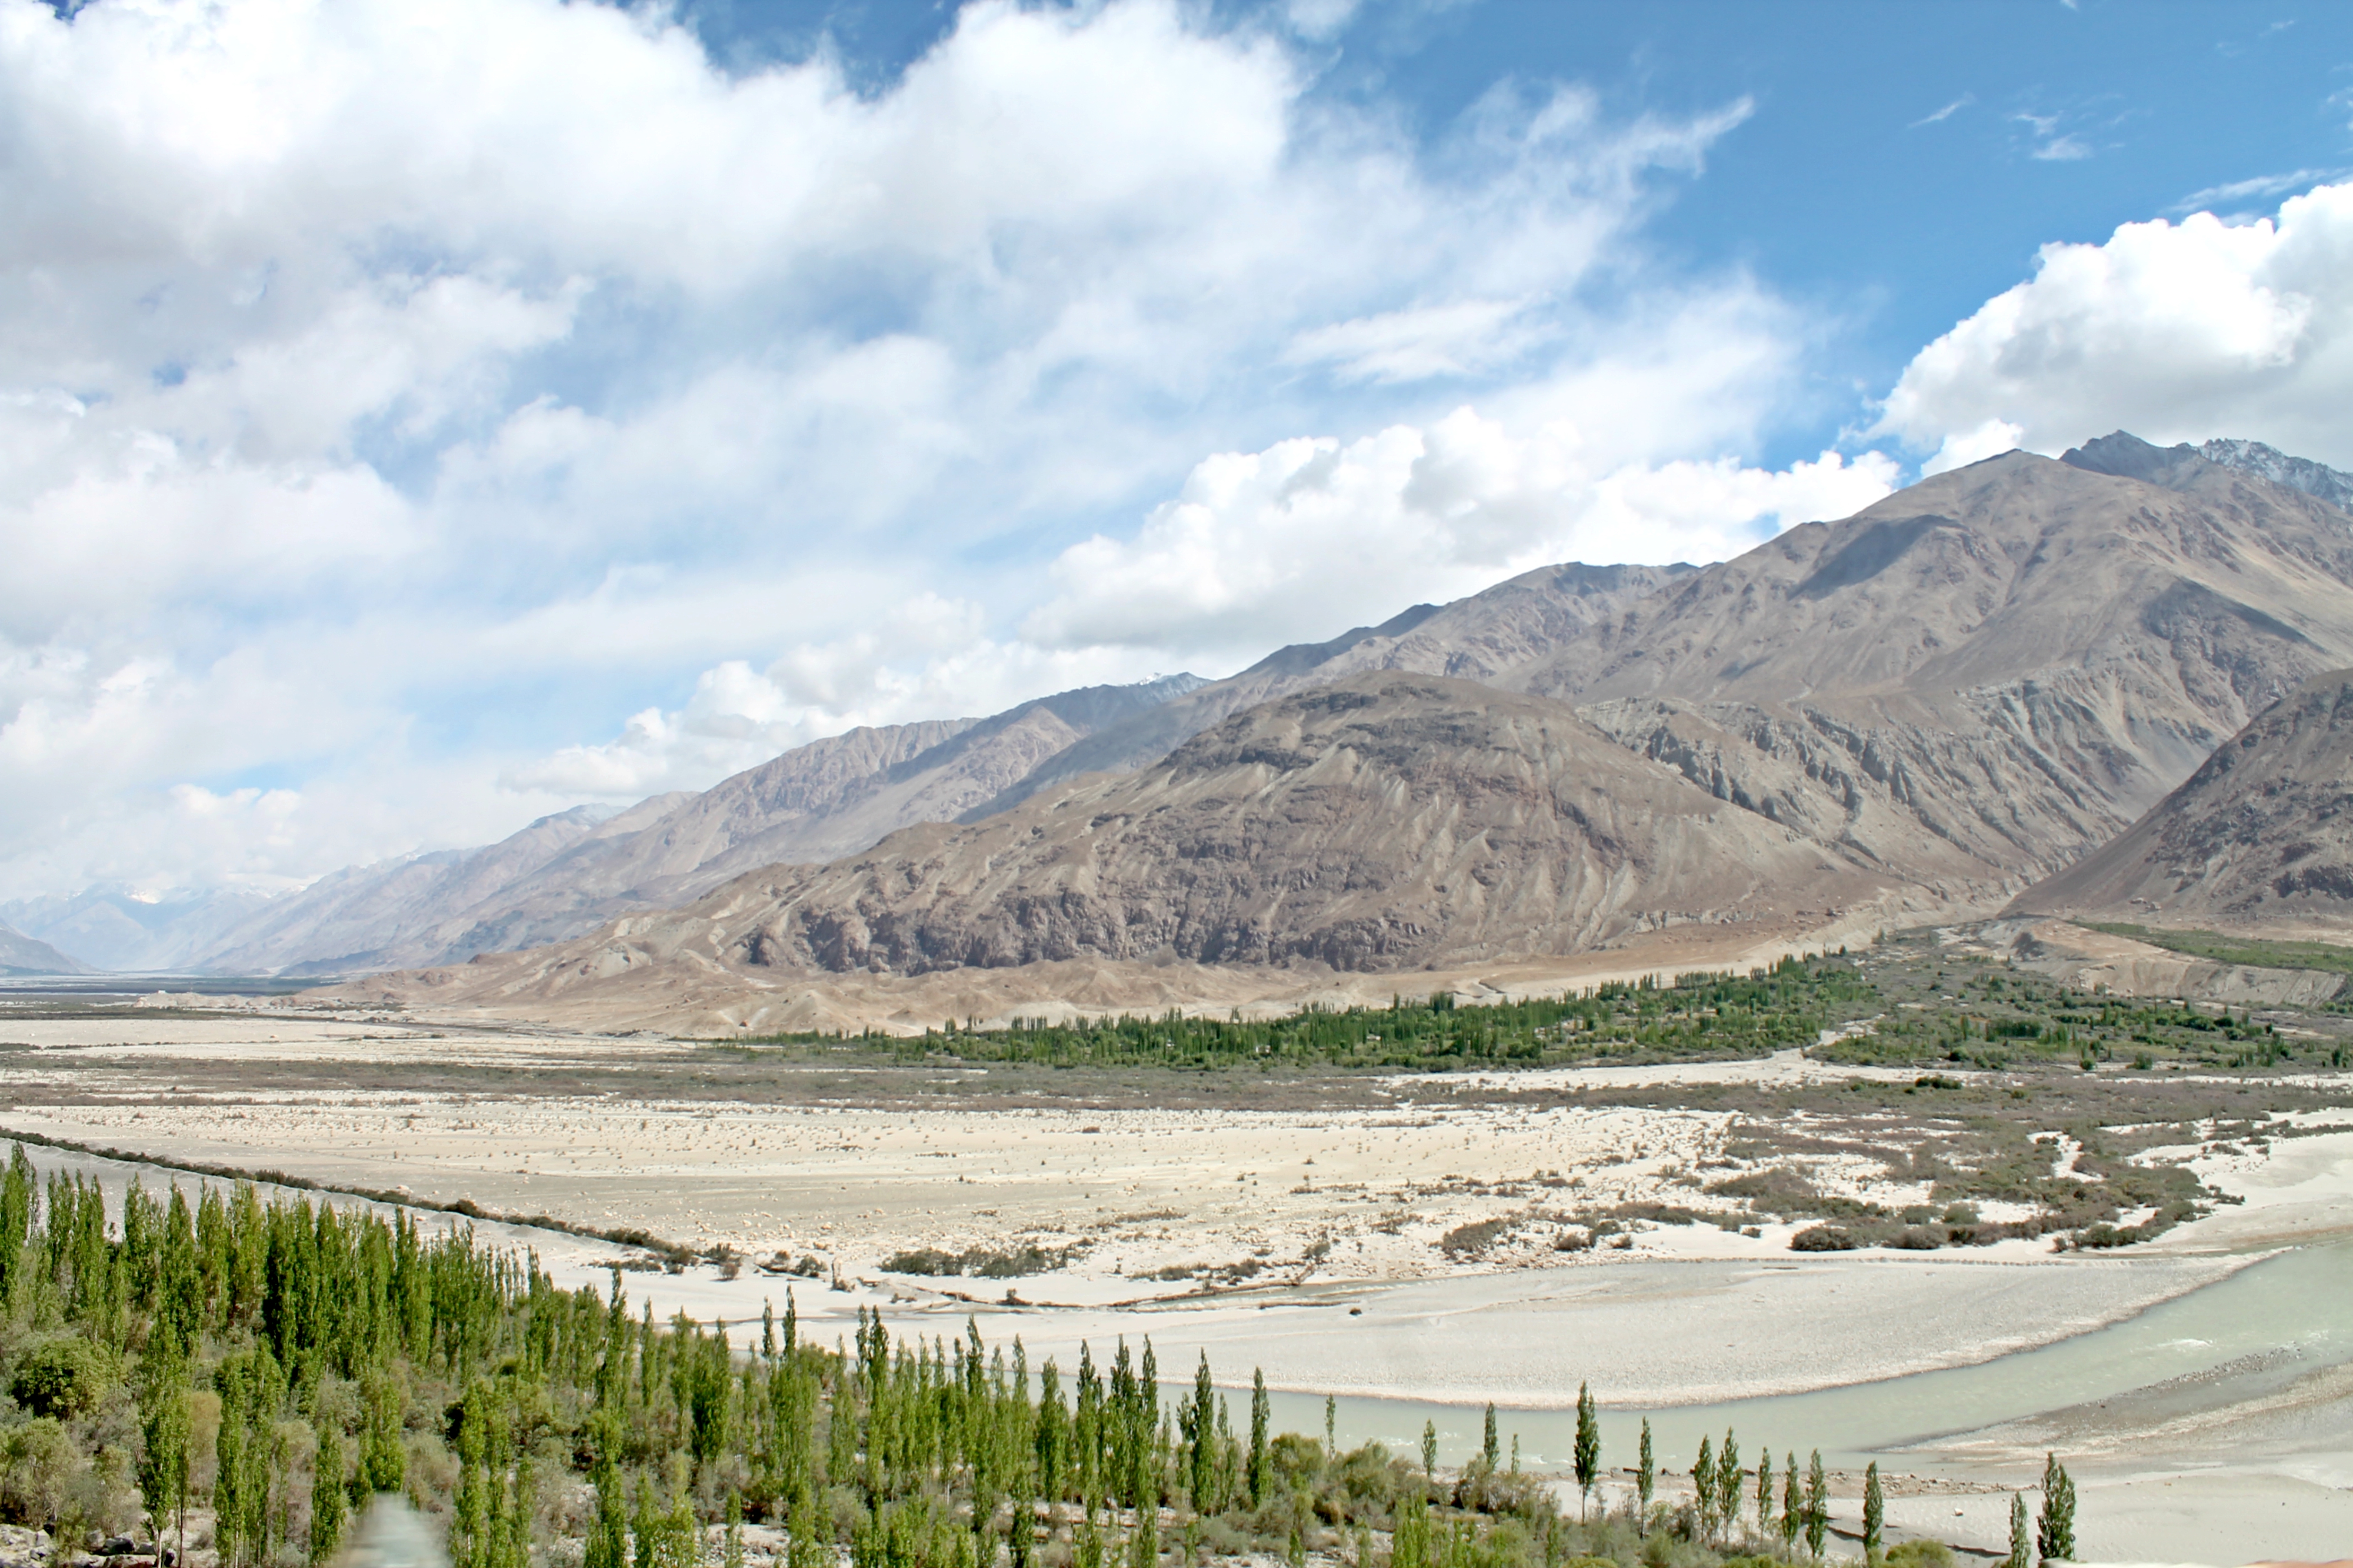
column 1980, row 678
column 2260, row 836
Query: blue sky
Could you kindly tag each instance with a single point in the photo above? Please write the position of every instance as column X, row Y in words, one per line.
column 422, row 414
column 1902, row 163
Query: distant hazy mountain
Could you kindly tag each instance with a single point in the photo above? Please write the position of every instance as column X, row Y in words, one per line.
column 21, row 955
column 118, row 928
column 353, row 918
column 571, row 872
column 2261, row 834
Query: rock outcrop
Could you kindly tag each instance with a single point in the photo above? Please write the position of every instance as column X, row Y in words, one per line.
column 2261, row 836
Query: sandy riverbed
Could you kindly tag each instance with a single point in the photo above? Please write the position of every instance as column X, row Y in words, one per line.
column 1321, row 1227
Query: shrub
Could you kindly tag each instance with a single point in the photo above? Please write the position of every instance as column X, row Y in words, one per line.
column 1916, row 1554
column 983, row 1263
column 1469, row 1240
column 37, row 1467
column 62, row 1377
column 1919, row 1238
column 1822, row 1238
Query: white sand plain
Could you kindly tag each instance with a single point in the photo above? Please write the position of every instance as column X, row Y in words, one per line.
column 1341, row 1211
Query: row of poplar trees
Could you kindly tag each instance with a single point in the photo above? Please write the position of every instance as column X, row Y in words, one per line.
column 277, row 1365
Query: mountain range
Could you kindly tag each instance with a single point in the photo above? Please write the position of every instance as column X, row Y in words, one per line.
column 1927, row 708
column 1923, row 711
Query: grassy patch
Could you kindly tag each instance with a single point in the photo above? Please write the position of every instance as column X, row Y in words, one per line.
column 2255, row 952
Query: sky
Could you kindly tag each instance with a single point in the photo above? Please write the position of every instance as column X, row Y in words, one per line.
column 421, row 416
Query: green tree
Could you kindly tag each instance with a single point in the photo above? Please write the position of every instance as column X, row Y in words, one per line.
column 2055, row 1531
column 609, row 1533
column 1589, row 1448
column 327, row 1500
column 1704, row 1488
column 163, row 1433
column 1410, row 1546
column 1727, row 1482
column 1429, row 1453
column 2021, row 1534
column 1818, row 1505
column 1262, row 1472
column 1646, row 1475
column 1491, row 1449
column 1793, row 1505
column 1874, row 1512
column 1765, row 1495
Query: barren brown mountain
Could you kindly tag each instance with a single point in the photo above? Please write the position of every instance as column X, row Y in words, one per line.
column 2260, row 837
column 1926, row 707
column 1383, row 822
column 1979, row 678
column 568, row 874
column 1481, row 637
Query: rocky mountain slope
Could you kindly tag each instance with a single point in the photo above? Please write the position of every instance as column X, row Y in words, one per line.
column 1981, row 677
column 2315, row 480
column 363, row 914
column 2261, row 834
column 1382, row 822
column 569, row 873
column 1481, row 638
column 24, row 955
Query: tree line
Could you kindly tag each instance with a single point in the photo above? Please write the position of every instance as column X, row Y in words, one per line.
column 1704, row 1012
column 239, row 1378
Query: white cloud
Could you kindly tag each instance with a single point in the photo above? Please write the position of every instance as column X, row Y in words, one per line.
column 1412, row 344
column 2174, row 331
column 1302, row 538
column 2211, row 197
column 379, row 377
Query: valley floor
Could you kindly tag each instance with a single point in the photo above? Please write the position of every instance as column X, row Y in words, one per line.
column 1400, row 1241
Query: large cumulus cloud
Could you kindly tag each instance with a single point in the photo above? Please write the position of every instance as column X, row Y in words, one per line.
column 396, row 395
column 2176, row 332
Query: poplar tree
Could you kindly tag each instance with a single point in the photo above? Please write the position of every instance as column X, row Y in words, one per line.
column 1589, row 1449
column 609, row 1533
column 1727, row 1482
column 1765, row 1495
column 1646, row 1476
column 1262, row 1469
column 1874, row 1512
column 2055, row 1531
column 2021, row 1534
column 1793, row 1504
column 1704, row 1488
column 1490, row 1447
column 1201, row 1439
column 163, row 1432
column 327, row 1493
column 1818, row 1505
column 1429, row 1453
